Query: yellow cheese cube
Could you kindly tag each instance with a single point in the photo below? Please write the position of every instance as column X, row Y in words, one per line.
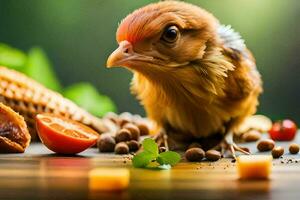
column 109, row 179
column 254, row 166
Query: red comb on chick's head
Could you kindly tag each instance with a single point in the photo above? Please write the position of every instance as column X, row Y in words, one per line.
column 151, row 20
column 135, row 26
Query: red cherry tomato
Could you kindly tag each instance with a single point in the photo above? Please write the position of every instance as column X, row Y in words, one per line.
column 63, row 135
column 283, row 130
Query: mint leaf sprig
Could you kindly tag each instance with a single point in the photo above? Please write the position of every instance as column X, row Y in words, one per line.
column 151, row 158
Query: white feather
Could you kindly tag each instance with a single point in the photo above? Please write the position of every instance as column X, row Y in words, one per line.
column 230, row 38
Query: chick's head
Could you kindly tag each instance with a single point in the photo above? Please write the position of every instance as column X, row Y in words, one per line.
column 164, row 35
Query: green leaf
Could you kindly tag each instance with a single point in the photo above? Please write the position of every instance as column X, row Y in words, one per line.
column 142, row 159
column 160, row 160
column 12, row 58
column 86, row 96
column 150, row 145
column 40, row 69
column 150, row 158
column 168, row 157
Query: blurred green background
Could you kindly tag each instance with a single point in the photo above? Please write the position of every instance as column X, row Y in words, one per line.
column 78, row 36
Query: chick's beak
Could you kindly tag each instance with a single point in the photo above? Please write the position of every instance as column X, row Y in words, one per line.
column 121, row 55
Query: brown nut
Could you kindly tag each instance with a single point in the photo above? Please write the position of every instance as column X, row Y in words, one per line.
column 212, row 155
column 277, row 152
column 265, row 145
column 123, row 135
column 251, row 136
column 121, row 148
column 194, row 144
column 144, row 129
column 106, row 143
column 133, row 145
column 134, row 130
column 194, row 154
column 294, row 148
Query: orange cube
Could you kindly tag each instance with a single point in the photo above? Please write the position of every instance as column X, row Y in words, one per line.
column 109, row 179
column 254, row 166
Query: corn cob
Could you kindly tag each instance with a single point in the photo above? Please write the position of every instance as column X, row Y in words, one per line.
column 29, row 98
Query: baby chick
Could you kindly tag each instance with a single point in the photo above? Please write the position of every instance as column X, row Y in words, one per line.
column 195, row 77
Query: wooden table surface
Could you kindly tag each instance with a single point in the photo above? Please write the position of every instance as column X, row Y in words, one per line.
column 40, row 174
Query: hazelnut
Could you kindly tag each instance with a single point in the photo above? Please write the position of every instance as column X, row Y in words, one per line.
column 134, row 130
column 194, row 154
column 251, row 136
column 212, row 155
column 277, row 152
column 106, row 143
column 121, row 148
column 294, row 148
column 133, row 145
column 123, row 135
column 265, row 145
column 144, row 129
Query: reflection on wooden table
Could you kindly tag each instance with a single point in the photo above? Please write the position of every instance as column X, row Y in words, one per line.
column 39, row 174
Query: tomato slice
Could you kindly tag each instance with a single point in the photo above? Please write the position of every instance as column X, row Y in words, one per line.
column 63, row 135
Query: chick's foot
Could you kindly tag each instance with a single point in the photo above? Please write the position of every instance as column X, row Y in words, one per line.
column 162, row 140
column 229, row 145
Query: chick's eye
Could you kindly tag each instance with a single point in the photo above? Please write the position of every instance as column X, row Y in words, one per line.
column 170, row 34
